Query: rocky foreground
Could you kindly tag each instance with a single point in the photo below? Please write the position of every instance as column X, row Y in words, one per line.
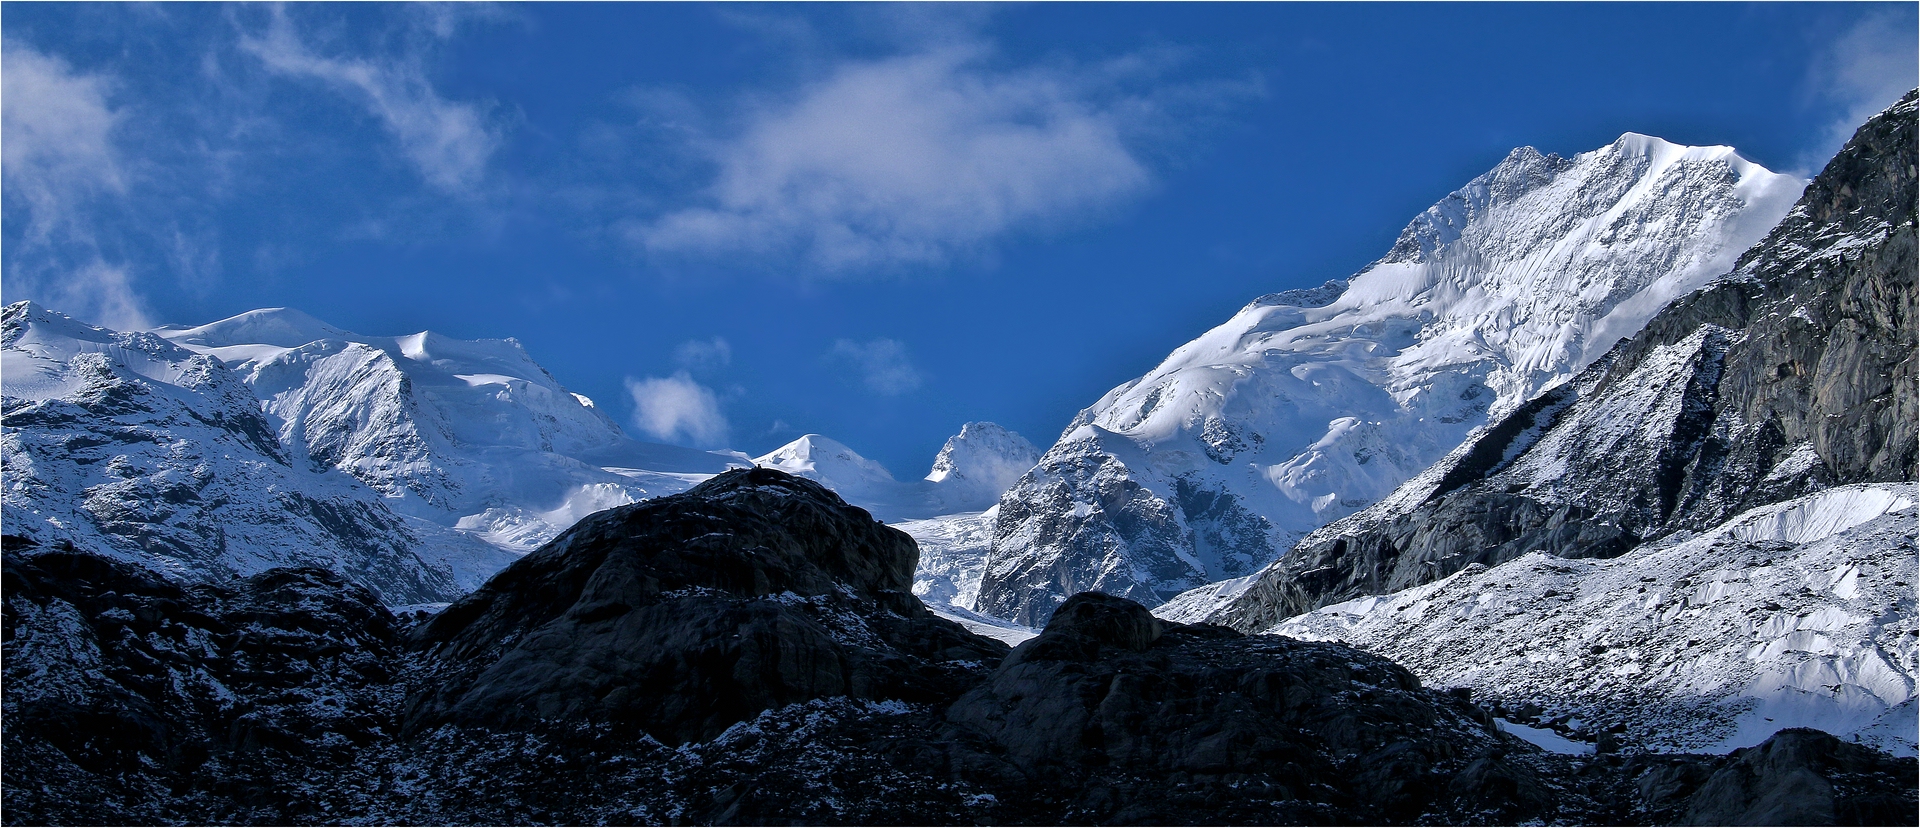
column 749, row 652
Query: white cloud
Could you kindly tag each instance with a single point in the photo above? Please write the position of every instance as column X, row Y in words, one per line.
column 911, row 160
column 1863, row 72
column 703, row 355
column 449, row 142
column 59, row 162
column 677, row 409
column 884, row 366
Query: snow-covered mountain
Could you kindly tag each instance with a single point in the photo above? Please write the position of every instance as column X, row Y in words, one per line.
column 1794, row 373
column 469, row 434
column 127, row 445
column 1310, row 405
column 1750, row 459
column 971, row 471
column 418, row 464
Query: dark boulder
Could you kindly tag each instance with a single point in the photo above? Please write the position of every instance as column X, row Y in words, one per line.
column 686, row 614
column 1108, row 692
column 1806, row 777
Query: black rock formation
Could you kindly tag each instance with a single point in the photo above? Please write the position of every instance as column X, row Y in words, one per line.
column 1793, row 374
column 745, row 653
column 683, row 615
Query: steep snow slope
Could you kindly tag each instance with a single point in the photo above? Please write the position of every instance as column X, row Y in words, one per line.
column 126, row 445
column 472, row 435
column 1793, row 374
column 968, row 475
column 1309, row 405
column 1798, row 614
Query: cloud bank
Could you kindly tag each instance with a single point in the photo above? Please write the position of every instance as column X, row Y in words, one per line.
column 911, row 160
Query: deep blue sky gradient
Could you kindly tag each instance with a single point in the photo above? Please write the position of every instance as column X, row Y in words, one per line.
column 1297, row 140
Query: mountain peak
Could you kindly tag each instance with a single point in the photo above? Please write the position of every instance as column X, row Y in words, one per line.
column 983, row 455
column 826, row 460
column 278, row 327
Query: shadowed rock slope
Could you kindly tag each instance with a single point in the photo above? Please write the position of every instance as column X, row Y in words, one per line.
column 685, row 614
column 746, row 653
column 1793, row 374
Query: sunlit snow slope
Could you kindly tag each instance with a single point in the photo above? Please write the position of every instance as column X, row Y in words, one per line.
column 469, row 434
column 127, row 445
column 1309, row 405
column 1794, row 373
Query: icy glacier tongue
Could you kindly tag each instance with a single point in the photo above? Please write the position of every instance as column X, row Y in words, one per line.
column 468, row 434
column 1309, row 405
column 1798, row 614
column 127, row 445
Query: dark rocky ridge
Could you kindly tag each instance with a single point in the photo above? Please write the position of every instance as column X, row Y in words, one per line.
column 683, row 615
column 1809, row 346
column 281, row 700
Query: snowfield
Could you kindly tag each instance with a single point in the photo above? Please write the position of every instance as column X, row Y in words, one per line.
column 1799, row 614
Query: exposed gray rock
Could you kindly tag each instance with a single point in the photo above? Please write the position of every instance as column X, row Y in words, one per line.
column 1795, row 373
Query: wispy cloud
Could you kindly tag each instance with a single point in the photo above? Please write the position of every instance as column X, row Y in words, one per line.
column 917, row 159
column 1862, row 72
column 677, row 409
column 60, row 164
column 882, row 364
column 449, row 142
column 703, row 354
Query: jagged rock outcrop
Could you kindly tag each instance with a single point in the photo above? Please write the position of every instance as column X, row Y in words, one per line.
column 684, row 615
column 1310, row 405
column 1799, row 777
column 1792, row 374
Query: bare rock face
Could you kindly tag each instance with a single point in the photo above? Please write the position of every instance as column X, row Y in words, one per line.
column 686, row 614
column 1793, row 374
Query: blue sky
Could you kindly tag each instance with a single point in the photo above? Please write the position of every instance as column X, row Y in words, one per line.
column 731, row 224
